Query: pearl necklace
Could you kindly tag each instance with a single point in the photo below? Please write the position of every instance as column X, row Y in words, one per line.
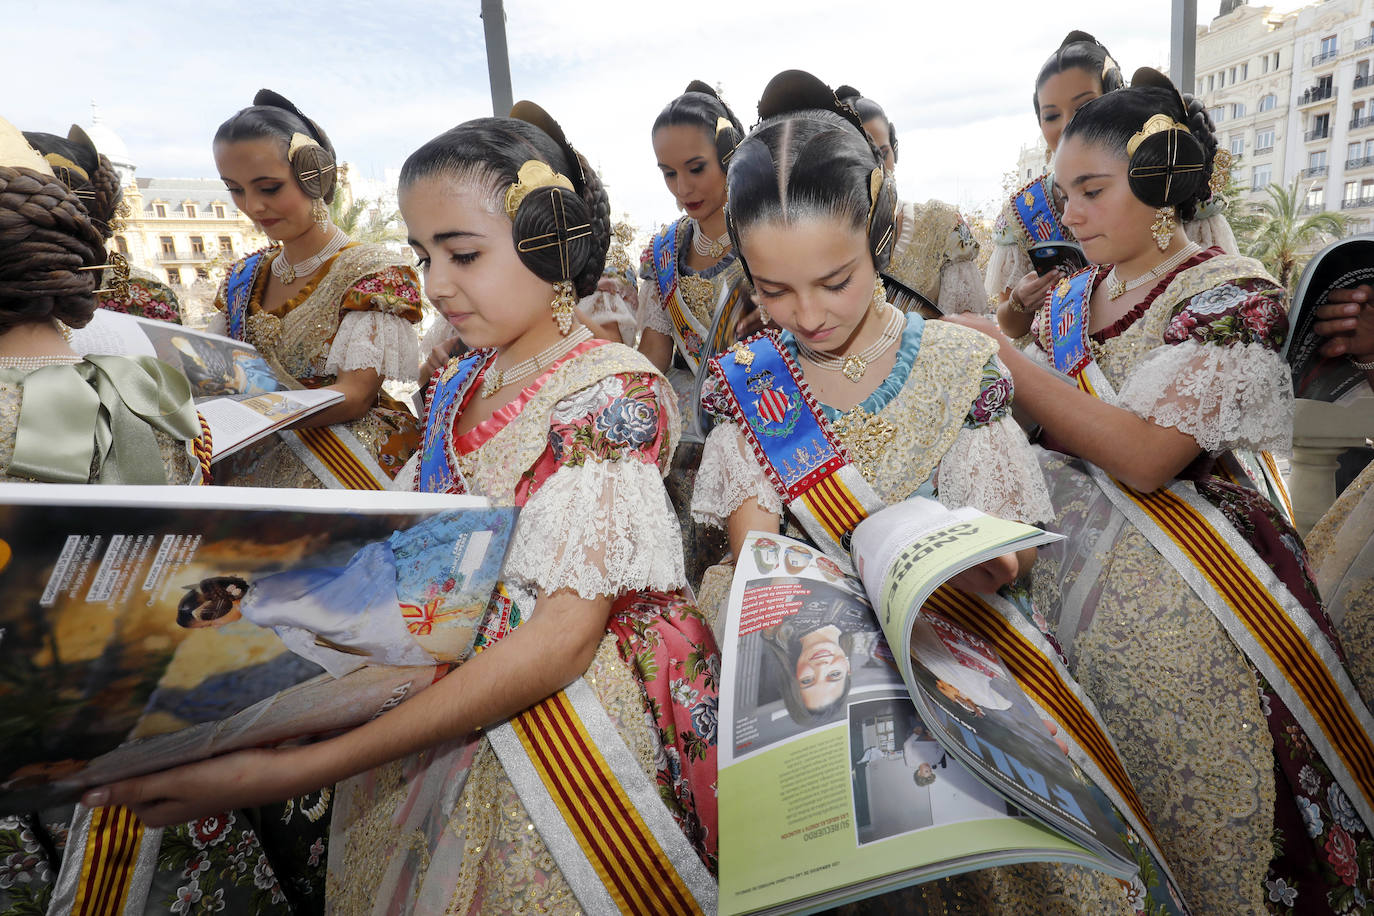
column 1116, row 288
column 708, row 247
column 496, row 379
column 30, row 363
column 287, row 272
column 856, row 364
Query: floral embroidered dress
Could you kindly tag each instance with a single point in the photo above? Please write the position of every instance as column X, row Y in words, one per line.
column 148, row 297
column 1247, row 814
column 357, row 312
column 936, row 255
column 581, row 450
column 938, row 426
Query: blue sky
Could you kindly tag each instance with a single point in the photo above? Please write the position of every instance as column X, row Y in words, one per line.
column 382, row 78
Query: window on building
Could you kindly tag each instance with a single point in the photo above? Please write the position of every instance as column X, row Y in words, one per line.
column 190, row 210
column 1317, row 160
column 1260, row 178
column 1369, row 149
column 1199, row 86
column 1211, row 83
column 1233, row 76
column 121, row 244
column 226, row 246
column 1276, row 61
column 174, row 276
column 1323, row 85
column 1264, row 64
column 1237, row 145
column 1352, row 192
column 1238, row 110
column 1221, row 79
column 1244, row 71
column 1264, row 139
column 1217, row 114
column 219, row 211
column 1362, row 70
column 202, row 273
column 1316, row 197
column 1267, row 102
column 160, row 210
column 1321, row 126
column 169, row 245
column 1367, row 190
column 1328, row 46
column 197, row 246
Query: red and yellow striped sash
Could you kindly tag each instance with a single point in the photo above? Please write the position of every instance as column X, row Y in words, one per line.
column 834, row 505
column 1039, row 679
column 339, row 459
column 109, row 858
column 1276, row 482
column 614, row 838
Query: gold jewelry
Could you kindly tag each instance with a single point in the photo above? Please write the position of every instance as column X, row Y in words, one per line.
column 743, row 355
column 535, row 173
column 865, row 436
column 698, row 294
column 1116, row 288
column 1158, row 123
column 1363, row 367
column 30, row 363
column 709, row 247
column 854, row 365
column 62, row 329
column 879, row 294
column 120, row 287
column 496, row 379
column 763, row 313
column 564, row 305
column 1221, row 172
column 319, row 212
column 1163, row 227
column 288, row 273
column 1017, row 305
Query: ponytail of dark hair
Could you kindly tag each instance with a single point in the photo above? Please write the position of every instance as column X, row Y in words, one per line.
column 1080, row 51
column 490, row 152
column 869, row 110
column 700, row 106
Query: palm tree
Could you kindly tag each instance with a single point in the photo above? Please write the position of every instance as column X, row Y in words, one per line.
column 1287, row 237
column 365, row 221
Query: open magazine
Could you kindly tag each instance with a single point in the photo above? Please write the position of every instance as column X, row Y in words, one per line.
column 234, row 387
column 140, row 628
column 847, row 769
column 1341, row 265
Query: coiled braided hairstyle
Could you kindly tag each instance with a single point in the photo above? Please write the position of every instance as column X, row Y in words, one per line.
column 46, row 237
column 88, row 172
column 489, row 152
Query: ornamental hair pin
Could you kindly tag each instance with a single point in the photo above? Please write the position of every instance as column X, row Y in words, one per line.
column 1222, row 161
column 535, row 173
column 120, row 286
column 1158, row 123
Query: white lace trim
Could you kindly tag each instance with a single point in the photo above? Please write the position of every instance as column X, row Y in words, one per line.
column 728, row 476
column 1236, row 396
column 612, row 309
column 601, row 528
column 993, row 469
column 961, row 289
column 652, row 315
column 1006, row 265
column 1214, row 231
column 375, row 340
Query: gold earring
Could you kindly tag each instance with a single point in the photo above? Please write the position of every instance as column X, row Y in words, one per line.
column 563, row 306
column 1163, row 227
column 763, row 313
column 879, row 294
column 319, row 213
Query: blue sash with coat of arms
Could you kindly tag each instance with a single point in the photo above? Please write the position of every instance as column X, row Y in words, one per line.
column 1068, row 321
column 238, row 290
column 446, row 395
column 1035, row 209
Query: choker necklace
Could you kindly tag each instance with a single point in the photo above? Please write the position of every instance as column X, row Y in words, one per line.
column 287, row 272
column 30, row 363
column 708, row 247
column 856, row 364
column 496, row 379
column 1116, row 288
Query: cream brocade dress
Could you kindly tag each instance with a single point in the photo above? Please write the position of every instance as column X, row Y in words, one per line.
column 936, row 255
column 1341, row 546
column 944, row 417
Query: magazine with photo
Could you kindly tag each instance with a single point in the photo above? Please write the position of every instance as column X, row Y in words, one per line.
column 234, row 388
column 141, row 628
column 846, row 769
column 1344, row 264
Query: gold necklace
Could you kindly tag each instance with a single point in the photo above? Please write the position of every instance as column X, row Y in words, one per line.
column 496, row 379
column 709, row 247
column 1116, row 288
column 854, row 365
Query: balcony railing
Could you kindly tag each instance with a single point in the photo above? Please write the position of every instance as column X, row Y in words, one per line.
column 1325, row 56
column 1315, row 171
column 172, row 257
column 1364, row 42
column 1317, row 133
column 1311, row 208
column 1357, row 123
column 1316, row 94
column 1359, row 162
column 1351, row 203
column 1261, row 150
column 1361, row 82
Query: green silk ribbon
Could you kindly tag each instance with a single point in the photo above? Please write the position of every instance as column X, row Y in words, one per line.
column 101, row 414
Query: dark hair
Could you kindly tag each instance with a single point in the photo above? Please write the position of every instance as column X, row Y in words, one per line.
column 783, row 646
column 77, row 164
column 1112, row 120
column 700, row 106
column 210, row 600
column 869, row 110
column 1080, row 51
column 46, row 238
column 274, row 117
column 490, row 152
column 810, row 161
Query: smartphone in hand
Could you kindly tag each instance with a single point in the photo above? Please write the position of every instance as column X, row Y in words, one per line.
column 1045, row 256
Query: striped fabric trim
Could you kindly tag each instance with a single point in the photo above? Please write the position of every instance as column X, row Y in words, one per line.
column 1039, row 679
column 1276, row 483
column 834, row 505
column 621, row 849
column 328, row 451
column 110, row 857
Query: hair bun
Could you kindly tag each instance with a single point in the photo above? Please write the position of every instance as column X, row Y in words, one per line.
column 1078, row 35
column 1168, row 168
column 554, row 234
column 276, row 100
column 847, row 92
column 702, row 87
column 797, row 90
column 530, row 113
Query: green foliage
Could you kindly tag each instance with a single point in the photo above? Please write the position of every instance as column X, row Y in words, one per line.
column 365, row 221
column 1286, row 237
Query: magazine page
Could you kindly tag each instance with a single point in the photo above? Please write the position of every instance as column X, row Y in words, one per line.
column 215, row 365
column 198, row 622
column 831, row 786
column 241, row 419
column 1343, row 264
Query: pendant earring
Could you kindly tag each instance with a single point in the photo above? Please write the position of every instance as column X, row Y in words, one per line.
column 1163, row 227
column 563, row 305
column 879, row 294
column 319, row 213
column 763, row 313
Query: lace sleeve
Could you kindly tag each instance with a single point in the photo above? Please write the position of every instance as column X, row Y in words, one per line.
column 993, row 469
column 611, row 309
column 652, row 315
column 961, row 289
column 375, row 340
column 1213, row 231
column 728, row 476
column 1237, row 396
column 599, row 528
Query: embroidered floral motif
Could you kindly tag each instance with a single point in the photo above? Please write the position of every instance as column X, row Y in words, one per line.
column 1240, row 312
column 1218, row 300
column 617, row 417
column 992, row 403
